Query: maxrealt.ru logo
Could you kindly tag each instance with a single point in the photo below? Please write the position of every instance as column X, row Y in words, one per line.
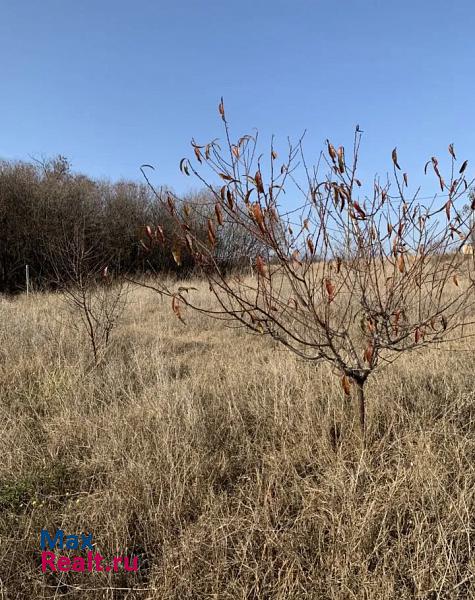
column 92, row 561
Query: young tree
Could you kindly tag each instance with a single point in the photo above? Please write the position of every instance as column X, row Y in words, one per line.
column 96, row 298
column 351, row 278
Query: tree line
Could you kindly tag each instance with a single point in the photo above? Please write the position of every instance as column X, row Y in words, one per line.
column 48, row 212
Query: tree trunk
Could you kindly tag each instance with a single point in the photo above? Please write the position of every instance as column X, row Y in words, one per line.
column 361, row 407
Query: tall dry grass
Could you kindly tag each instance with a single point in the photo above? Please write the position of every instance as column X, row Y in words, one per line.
column 228, row 466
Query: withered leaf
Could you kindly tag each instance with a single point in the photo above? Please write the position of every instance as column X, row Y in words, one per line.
column 338, row 264
column 176, row 308
column 331, row 151
column 346, row 385
column 230, row 199
column 448, row 205
column 171, row 204
column 159, row 234
column 176, row 253
column 330, row 289
column 226, row 177
column 211, row 233
column 260, row 266
column 257, row 214
column 219, row 213
column 394, row 157
column 369, row 353
column 221, row 109
column 359, row 210
column 310, row 245
column 184, row 166
column 259, row 184
column 197, row 153
column 401, row 265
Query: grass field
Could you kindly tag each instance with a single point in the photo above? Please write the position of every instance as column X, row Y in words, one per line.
column 228, row 466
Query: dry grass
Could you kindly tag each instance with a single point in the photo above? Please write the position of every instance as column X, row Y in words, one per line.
column 229, row 466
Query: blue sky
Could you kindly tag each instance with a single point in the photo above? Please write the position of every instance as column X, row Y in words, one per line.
column 114, row 84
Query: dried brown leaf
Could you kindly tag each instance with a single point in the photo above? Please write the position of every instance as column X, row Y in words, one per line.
column 197, row 153
column 176, row 253
column 219, row 213
column 211, row 232
column 159, row 234
column 369, row 353
column 330, row 289
column 310, row 245
column 259, row 184
column 394, row 157
column 346, row 385
column 448, row 205
column 230, row 199
column 359, row 210
column 221, row 109
column 401, row 265
column 331, row 151
column 176, row 308
column 261, row 266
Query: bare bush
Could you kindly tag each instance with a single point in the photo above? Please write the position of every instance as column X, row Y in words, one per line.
column 351, row 275
column 96, row 298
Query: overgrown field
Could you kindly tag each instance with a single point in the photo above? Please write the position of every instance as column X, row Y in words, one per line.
column 228, row 466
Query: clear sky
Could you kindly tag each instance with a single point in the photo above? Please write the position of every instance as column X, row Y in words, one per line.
column 112, row 84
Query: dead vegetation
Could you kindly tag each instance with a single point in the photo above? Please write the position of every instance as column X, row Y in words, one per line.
column 228, row 465
column 379, row 255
